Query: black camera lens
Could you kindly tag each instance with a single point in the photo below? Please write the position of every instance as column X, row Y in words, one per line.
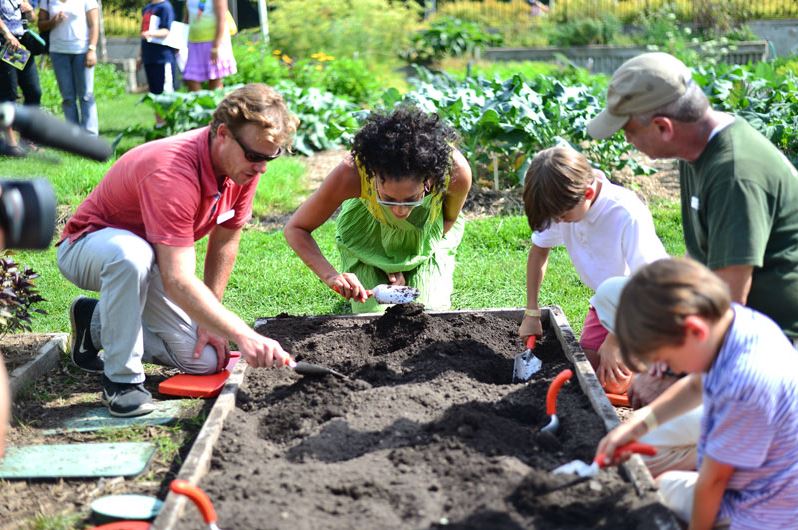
column 27, row 213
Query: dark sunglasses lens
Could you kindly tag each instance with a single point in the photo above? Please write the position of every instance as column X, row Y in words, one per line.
column 257, row 157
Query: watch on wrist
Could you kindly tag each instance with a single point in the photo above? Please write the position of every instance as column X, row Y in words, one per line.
column 532, row 313
column 92, row 48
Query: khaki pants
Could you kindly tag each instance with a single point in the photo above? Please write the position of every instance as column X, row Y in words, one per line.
column 134, row 320
column 678, row 491
column 675, row 441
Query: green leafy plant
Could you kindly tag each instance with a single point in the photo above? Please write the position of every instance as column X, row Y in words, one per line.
column 317, row 110
column 17, row 297
column 504, row 122
column 447, row 37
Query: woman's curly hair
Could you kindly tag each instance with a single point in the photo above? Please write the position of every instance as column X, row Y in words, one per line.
column 405, row 144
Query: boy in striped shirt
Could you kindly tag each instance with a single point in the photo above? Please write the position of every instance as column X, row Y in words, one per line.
column 744, row 371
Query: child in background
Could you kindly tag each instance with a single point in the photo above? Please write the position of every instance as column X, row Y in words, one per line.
column 607, row 232
column 158, row 60
column 743, row 369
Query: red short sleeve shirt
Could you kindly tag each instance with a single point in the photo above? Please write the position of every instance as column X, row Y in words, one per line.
column 165, row 192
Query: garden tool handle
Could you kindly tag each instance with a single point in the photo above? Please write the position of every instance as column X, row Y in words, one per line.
column 530, row 342
column 554, row 390
column 197, row 496
column 631, row 447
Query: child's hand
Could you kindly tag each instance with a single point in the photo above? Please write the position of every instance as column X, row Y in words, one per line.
column 530, row 326
column 613, row 375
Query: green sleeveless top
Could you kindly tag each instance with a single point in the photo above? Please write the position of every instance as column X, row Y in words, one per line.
column 373, row 241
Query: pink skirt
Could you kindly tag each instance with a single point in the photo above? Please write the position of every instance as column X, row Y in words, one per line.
column 199, row 66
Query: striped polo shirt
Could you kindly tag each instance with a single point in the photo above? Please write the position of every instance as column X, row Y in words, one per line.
column 751, row 422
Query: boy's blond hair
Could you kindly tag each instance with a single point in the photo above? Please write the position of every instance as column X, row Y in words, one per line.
column 656, row 301
column 555, row 182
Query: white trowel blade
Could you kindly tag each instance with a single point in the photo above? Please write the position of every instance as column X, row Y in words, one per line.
column 394, row 294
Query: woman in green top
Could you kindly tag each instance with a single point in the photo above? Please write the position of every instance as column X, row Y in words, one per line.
column 400, row 190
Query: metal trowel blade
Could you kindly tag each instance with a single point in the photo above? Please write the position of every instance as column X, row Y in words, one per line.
column 304, row 368
column 525, row 366
column 394, row 294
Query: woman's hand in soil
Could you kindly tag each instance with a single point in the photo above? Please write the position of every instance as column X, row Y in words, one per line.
column 347, row 285
column 396, row 278
column 205, row 338
column 530, row 326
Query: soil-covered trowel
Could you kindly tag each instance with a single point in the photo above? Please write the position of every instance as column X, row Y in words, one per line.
column 303, row 368
column 394, row 294
column 525, row 364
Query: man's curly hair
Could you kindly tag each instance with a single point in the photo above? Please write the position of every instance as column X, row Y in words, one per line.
column 405, row 144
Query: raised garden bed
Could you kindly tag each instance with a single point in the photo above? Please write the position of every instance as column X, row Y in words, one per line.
column 428, row 432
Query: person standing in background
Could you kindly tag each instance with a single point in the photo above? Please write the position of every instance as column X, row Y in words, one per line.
column 74, row 30
column 11, row 29
column 210, row 52
column 158, row 59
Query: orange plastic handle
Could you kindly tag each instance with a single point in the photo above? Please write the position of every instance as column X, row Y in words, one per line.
column 631, row 447
column 554, row 390
column 197, row 496
column 530, row 342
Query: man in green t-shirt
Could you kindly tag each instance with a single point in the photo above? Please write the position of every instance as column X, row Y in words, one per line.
column 739, row 193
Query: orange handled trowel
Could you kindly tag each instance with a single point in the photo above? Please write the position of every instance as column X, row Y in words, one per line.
column 585, row 471
column 200, row 500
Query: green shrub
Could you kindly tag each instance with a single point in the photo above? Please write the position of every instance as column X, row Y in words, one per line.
column 511, row 19
column 17, row 296
column 448, row 37
column 347, row 78
column 585, row 31
column 368, row 29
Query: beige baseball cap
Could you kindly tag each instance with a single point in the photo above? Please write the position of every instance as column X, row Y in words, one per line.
column 640, row 85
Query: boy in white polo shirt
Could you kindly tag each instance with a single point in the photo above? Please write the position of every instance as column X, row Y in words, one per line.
column 607, row 232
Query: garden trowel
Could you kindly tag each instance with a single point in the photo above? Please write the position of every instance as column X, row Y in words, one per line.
column 303, row 368
column 584, row 471
column 525, row 364
column 394, row 294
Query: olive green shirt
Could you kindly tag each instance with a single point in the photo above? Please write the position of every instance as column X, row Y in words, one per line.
column 740, row 207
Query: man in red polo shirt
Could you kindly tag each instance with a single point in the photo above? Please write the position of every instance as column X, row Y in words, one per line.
column 132, row 240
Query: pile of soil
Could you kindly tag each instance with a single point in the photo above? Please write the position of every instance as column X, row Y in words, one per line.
column 426, row 432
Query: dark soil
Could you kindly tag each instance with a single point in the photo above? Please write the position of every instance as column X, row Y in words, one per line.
column 427, row 432
column 16, row 350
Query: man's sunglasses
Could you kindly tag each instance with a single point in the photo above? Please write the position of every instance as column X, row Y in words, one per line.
column 254, row 156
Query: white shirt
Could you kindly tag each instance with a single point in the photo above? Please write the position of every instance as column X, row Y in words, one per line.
column 615, row 237
column 71, row 35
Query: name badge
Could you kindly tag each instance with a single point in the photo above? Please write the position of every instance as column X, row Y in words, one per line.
column 694, row 203
column 225, row 216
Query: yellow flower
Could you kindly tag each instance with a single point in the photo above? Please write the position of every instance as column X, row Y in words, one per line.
column 286, row 59
column 277, row 52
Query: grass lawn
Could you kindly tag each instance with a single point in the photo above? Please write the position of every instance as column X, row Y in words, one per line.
column 269, row 279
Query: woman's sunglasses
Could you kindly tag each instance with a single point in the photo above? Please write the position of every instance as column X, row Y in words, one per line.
column 254, row 156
